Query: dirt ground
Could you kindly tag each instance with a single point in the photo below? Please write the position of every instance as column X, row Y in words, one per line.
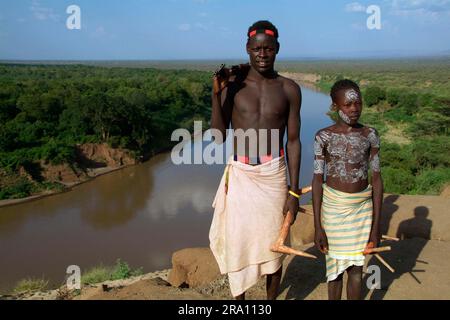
column 421, row 272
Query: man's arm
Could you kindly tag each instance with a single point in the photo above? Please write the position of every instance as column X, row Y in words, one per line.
column 320, row 237
column 293, row 145
column 377, row 184
column 221, row 107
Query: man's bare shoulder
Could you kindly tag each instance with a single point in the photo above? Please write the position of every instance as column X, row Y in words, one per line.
column 288, row 83
column 291, row 87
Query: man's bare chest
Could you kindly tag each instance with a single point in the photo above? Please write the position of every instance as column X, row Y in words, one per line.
column 270, row 101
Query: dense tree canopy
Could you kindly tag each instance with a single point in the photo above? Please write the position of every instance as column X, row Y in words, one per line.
column 46, row 110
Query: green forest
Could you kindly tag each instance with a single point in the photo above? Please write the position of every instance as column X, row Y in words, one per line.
column 45, row 110
column 408, row 102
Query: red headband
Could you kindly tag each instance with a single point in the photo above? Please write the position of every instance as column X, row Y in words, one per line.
column 268, row 32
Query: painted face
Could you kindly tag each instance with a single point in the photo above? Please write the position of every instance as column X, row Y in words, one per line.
column 351, row 95
column 344, row 117
column 349, row 105
column 262, row 50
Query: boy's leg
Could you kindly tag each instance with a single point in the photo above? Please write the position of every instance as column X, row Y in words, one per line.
column 354, row 281
column 335, row 288
column 273, row 284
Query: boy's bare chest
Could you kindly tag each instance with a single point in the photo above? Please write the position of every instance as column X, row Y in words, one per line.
column 352, row 148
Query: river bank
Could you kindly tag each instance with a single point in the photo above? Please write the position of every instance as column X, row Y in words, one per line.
column 93, row 160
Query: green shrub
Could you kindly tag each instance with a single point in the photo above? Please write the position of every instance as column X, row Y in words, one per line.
column 397, row 180
column 30, row 285
column 373, row 95
column 96, row 275
column 22, row 189
column 393, row 96
column 431, row 181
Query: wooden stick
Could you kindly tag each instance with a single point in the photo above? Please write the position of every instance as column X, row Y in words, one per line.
column 305, row 190
column 389, row 238
column 376, row 250
column 288, row 250
column 384, row 262
column 279, row 245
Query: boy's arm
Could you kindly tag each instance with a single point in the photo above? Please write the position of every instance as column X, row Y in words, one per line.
column 293, row 147
column 320, row 237
column 377, row 184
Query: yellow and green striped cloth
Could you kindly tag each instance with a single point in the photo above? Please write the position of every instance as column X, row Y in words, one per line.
column 347, row 221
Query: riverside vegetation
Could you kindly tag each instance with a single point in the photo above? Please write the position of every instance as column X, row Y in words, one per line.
column 46, row 110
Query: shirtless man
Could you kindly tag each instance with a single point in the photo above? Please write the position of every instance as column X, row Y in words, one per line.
column 255, row 97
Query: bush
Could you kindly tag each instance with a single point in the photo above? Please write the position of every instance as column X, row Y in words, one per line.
column 96, row 275
column 30, row 285
column 408, row 103
column 121, row 270
column 397, row 180
column 23, row 188
column 57, row 152
column 398, row 157
column 432, row 152
column 373, row 95
column 393, row 96
column 431, row 181
column 429, row 123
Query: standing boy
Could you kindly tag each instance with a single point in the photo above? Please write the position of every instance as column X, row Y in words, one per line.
column 346, row 207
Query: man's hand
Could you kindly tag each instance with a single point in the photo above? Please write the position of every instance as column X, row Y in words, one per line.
column 222, row 75
column 220, row 79
column 321, row 240
column 291, row 205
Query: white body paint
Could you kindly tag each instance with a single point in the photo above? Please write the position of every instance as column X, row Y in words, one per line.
column 346, row 155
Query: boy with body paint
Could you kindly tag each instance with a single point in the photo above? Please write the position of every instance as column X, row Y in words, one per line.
column 346, row 207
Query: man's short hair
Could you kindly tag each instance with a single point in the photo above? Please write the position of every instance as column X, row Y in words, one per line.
column 263, row 25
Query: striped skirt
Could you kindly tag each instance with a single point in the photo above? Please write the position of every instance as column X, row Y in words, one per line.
column 347, row 221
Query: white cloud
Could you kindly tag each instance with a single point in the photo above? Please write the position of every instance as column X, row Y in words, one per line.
column 201, row 26
column 42, row 13
column 184, row 27
column 420, row 8
column 355, row 7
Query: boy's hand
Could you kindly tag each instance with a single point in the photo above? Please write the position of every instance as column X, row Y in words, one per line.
column 321, row 240
column 291, row 205
column 374, row 241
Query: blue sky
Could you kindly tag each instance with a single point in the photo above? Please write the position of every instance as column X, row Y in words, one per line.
column 216, row 29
